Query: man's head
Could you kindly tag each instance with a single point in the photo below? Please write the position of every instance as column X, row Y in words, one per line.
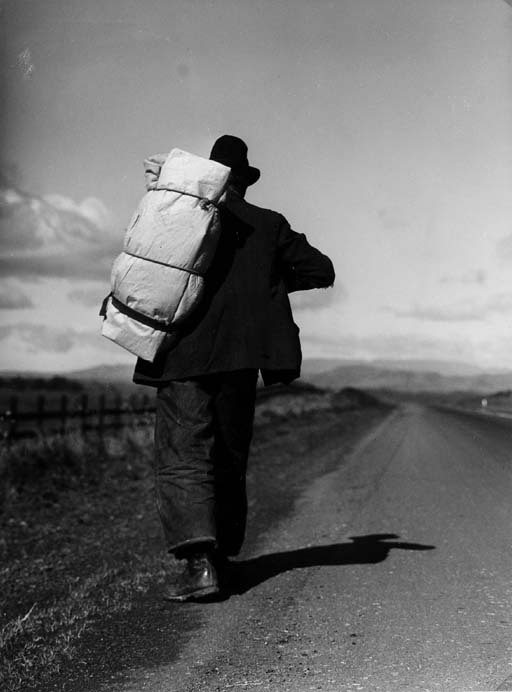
column 232, row 151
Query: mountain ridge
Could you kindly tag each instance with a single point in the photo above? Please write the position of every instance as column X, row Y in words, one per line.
column 370, row 377
column 336, row 373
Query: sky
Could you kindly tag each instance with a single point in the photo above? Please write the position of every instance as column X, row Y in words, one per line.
column 382, row 129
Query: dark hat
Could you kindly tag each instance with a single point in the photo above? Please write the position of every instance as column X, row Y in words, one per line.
column 232, row 152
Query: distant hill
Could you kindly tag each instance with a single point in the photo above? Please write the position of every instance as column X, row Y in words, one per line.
column 312, row 366
column 105, row 373
column 374, row 377
column 337, row 373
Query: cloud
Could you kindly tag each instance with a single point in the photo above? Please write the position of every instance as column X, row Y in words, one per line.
column 475, row 276
column 464, row 311
column 54, row 236
column 504, row 248
column 10, row 173
column 489, row 353
column 368, row 347
column 459, row 313
column 392, row 220
column 40, row 337
column 43, row 348
column 89, row 297
column 12, row 297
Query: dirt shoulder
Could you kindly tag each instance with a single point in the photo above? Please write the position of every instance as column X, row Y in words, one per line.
column 83, row 564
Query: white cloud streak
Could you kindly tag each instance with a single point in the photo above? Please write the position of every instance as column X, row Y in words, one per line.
column 463, row 311
column 53, row 236
column 504, row 248
column 41, row 337
column 475, row 277
column 13, row 297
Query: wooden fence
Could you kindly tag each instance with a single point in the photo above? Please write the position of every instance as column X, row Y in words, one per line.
column 53, row 415
column 71, row 413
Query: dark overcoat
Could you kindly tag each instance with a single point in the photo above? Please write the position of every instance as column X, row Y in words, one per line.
column 245, row 319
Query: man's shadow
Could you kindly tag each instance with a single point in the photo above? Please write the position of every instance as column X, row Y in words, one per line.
column 246, row 574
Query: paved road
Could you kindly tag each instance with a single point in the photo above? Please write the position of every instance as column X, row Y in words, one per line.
column 394, row 572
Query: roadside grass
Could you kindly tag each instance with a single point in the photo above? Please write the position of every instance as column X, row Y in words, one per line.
column 35, row 645
column 69, row 504
column 79, row 536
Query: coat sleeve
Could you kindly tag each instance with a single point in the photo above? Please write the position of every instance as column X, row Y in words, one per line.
column 300, row 264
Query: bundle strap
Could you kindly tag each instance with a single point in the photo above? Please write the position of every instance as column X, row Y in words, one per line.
column 136, row 315
column 205, row 201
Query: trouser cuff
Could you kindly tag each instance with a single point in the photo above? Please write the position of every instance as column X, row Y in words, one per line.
column 181, row 549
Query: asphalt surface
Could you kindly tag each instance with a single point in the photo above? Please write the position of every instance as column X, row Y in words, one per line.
column 393, row 572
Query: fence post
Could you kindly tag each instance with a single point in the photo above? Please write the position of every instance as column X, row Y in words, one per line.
column 83, row 412
column 118, row 408
column 63, row 413
column 41, row 401
column 134, row 410
column 11, row 416
column 101, row 414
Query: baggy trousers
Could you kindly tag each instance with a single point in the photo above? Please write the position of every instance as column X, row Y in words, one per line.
column 203, row 433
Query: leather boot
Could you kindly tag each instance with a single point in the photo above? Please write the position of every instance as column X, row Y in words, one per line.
column 225, row 571
column 197, row 580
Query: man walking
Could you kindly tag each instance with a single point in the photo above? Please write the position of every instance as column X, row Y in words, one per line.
column 207, row 381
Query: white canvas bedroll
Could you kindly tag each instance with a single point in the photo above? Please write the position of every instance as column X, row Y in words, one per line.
column 158, row 279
